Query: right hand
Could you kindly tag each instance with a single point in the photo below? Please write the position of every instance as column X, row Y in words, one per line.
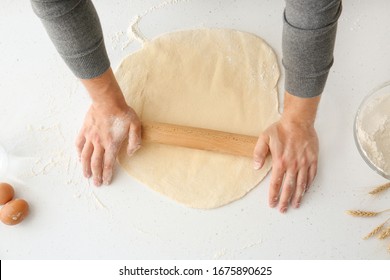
column 294, row 150
column 293, row 143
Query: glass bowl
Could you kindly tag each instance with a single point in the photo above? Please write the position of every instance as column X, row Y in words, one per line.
column 379, row 93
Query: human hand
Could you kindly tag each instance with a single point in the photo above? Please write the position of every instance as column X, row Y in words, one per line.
column 293, row 144
column 101, row 137
column 294, row 150
column 109, row 121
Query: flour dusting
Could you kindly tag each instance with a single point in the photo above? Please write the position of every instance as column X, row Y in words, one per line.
column 116, row 38
column 133, row 31
column 163, row 5
column 117, row 128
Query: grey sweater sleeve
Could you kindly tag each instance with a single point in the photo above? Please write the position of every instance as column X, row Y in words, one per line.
column 309, row 34
column 75, row 30
column 308, row 40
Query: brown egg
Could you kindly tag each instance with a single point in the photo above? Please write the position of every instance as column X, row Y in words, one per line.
column 14, row 212
column 6, row 193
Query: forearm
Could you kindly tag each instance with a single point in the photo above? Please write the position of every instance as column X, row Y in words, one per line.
column 105, row 91
column 300, row 111
column 309, row 34
column 75, row 30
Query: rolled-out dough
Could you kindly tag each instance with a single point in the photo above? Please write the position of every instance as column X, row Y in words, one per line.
column 210, row 78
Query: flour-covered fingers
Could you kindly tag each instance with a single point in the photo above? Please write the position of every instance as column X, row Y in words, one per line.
column 288, row 189
column 134, row 138
column 261, row 151
column 275, row 184
column 108, row 166
column 300, row 188
column 97, row 165
column 86, row 159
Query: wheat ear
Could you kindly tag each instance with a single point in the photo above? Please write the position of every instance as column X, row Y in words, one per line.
column 380, row 188
column 360, row 213
column 375, row 231
column 385, row 233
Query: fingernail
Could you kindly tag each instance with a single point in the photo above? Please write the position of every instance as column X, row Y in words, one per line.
column 107, row 178
column 106, row 181
column 97, row 180
column 274, row 202
column 256, row 165
column 283, row 210
column 97, row 183
column 297, row 205
column 132, row 151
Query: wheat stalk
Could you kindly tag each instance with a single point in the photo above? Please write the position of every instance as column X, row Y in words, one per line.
column 380, row 188
column 362, row 213
column 375, row 231
column 385, row 233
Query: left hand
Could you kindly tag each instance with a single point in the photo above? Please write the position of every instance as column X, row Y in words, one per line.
column 98, row 143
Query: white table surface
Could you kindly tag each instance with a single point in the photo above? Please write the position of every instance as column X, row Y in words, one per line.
column 42, row 107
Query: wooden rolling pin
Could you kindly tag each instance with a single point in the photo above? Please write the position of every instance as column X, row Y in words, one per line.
column 199, row 138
